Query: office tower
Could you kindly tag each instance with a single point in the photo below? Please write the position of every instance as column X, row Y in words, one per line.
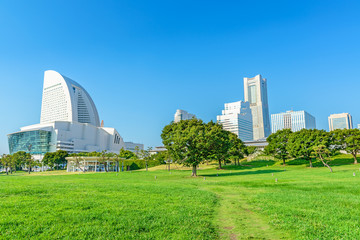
column 236, row 118
column 340, row 121
column 255, row 92
column 182, row 115
column 294, row 120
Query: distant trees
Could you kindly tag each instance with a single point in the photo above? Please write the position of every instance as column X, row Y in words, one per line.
column 278, row 144
column 310, row 144
column 191, row 142
column 52, row 159
column 349, row 141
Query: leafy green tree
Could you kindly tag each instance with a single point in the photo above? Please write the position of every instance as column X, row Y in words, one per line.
column 322, row 151
column 217, row 142
column 146, row 156
column 127, row 154
column 104, row 158
column 20, row 158
column 5, row 162
column 348, row 140
column 60, row 157
column 301, row 143
column 278, row 143
column 250, row 150
column 49, row 160
column 186, row 142
column 237, row 148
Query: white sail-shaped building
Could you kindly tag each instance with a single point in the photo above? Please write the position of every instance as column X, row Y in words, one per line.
column 69, row 121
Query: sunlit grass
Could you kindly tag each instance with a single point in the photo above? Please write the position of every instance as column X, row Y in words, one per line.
column 237, row 202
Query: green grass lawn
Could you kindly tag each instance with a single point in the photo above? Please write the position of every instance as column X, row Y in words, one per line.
column 239, row 202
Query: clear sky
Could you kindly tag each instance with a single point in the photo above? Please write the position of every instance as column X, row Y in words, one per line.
column 142, row 60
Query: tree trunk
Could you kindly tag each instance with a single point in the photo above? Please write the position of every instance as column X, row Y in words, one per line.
column 193, row 174
column 310, row 162
column 10, row 170
column 29, row 168
column 146, row 165
column 284, row 162
column 355, row 159
column 7, row 171
column 325, row 164
column 220, row 164
column 224, row 162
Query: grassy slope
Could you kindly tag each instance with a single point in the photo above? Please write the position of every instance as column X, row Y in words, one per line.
column 241, row 202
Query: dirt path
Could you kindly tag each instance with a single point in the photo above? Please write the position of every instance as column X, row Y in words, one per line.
column 236, row 220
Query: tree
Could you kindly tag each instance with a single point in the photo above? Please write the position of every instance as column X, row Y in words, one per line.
column 301, row 143
column 348, row 140
column 20, row 158
column 146, row 156
column 186, row 142
column 237, row 148
column 217, row 142
column 5, row 162
column 104, row 159
column 49, row 160
column 322, row 151
column 278, row 143
column 250, row 150
column 60, row 157
column 30, row 162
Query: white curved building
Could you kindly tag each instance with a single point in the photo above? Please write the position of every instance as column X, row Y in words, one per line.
column 65, row 100
column 69, row 121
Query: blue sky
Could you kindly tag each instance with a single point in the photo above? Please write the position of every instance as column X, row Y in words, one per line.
column 142, row 60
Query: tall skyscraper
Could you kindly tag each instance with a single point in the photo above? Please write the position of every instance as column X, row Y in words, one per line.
column 237, row 118
column 182, row 115
column 255, row 92
column 294, row 120
column 340, row 121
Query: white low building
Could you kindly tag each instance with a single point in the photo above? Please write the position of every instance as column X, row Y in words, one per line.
column 69, row 121
column 134, row 146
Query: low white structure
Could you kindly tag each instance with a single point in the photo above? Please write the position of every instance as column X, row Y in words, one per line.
column 157, row 150
column 237, row 118
column 182, row 115
column 69, row 121
column 132, row 146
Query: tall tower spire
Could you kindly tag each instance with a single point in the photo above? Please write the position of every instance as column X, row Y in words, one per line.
column 255, row 92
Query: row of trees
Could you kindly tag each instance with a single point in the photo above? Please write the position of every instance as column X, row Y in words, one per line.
column 56, row 160
column 192, row 142
column 312, row 143
column 17, row 161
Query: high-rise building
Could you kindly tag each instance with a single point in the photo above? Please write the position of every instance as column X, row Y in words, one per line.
column 182, row 115
column 294, row 120
column 255, row 92
column 340, row 121
column 69, row 121
column 237, row 118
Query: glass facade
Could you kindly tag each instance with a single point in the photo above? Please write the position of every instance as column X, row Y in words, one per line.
column 252, row 94
column 294, row 120
column 39, row 140
column 340, row 123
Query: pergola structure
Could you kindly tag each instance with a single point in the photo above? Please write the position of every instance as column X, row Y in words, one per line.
column 93, row 164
